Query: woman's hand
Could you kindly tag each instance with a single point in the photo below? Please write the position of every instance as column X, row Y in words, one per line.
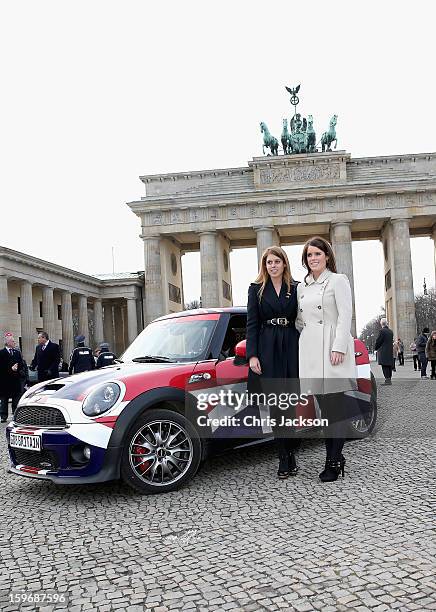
column 255, row 365
column 336, row 358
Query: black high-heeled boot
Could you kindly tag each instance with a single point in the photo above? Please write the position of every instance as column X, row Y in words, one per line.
column 287, row 465
column 332, row 469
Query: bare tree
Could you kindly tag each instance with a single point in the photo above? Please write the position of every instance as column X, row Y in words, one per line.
column 425, row 310
column 370, row 332
column 193, row 305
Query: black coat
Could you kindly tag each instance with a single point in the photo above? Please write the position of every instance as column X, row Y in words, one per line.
column 276, row 347
column 11, row 382
column 81, row 360
column 384, row 345
column 47, row 361
column 421, row 343
column 105, row 358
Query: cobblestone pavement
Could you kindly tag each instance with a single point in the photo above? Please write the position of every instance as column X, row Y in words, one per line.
column 237, row 538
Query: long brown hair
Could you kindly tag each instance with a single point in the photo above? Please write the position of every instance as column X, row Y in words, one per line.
column 263, row 275
column 325, row 247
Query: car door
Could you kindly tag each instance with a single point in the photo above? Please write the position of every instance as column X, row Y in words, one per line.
column 225, row 385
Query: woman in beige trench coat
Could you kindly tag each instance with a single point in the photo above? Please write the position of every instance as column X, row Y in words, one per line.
column 326, row 348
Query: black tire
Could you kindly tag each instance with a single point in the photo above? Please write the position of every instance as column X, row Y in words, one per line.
column 374, row 386
column 362, row 426
column 173, row 455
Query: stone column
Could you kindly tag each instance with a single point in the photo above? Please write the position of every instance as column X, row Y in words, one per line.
column 48, row 317
column 403, row 281
column 4, row 306
column 209, row 270
column 118, row 330
column 83, row 317
column 108, row 325
column 340, row 235
column 67, row 325
column 265, row 237
column 28, row 330
column 132, row 320
column 98, row 322
column 154, row 304
column 434, row 243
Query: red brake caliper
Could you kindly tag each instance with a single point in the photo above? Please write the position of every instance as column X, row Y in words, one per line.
column 140, row 450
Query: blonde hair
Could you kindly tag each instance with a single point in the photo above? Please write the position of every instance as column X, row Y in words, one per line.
column 263, row 276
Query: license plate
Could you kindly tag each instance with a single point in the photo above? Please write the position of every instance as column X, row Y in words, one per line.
column 27, row 442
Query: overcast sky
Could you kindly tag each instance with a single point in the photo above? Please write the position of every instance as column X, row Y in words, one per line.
column 95, row 94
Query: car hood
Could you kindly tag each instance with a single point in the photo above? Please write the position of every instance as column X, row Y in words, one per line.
column 137, row 378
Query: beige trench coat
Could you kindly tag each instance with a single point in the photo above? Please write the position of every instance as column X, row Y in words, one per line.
column 324, row 321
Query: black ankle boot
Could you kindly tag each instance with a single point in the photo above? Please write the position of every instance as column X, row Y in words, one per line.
column 332, row 469
column 287, row 465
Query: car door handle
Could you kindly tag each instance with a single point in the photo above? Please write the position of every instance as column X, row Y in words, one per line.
column 198, row 377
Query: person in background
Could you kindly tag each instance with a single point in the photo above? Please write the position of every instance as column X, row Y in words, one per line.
column 82, row 358
column 105, row 357
column 430, row 352
column 395, row 354
column 47, row 358
column 11, row 371
column 400, row 344
column 413, row 350
column 421, row 344
column 385, row 351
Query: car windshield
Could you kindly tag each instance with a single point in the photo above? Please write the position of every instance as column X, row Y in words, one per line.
column 178, row 339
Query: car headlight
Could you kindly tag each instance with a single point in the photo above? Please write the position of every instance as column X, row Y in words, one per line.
column 101, row 399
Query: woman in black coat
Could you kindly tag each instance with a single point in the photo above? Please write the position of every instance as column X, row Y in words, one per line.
column 272, row 343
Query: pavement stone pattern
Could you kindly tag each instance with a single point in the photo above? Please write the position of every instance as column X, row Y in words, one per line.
column 237, row 538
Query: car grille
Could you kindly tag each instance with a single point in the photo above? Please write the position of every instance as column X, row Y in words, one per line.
column 38, row 459
column 39, row 416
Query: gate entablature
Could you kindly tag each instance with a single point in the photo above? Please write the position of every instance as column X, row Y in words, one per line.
column 285, row 199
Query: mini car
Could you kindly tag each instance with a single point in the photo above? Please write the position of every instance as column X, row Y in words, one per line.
column 133, row 420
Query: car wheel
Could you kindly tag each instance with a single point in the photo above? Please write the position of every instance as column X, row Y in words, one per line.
column 362, row 425
column 162, row 451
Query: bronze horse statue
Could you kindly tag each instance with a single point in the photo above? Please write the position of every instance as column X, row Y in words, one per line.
column 329, row 136
column 286, row 138
column 310, row 136
column 269, row 141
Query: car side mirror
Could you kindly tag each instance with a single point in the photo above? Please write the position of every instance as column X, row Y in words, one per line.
column 241, row 353
column 222, row 356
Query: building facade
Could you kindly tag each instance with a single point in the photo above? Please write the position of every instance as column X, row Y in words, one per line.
column 284, row 200
column 38, row 295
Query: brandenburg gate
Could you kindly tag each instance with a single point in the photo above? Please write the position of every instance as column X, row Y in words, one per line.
column 284, row 200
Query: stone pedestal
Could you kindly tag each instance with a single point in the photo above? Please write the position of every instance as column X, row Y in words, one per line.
column 265, row 237
column 293, row 171
column 154, row 306
column 48, row 317
column 83, row 318
column 341, row 240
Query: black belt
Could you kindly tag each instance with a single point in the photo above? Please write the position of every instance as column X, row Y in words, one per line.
column 281, row 321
